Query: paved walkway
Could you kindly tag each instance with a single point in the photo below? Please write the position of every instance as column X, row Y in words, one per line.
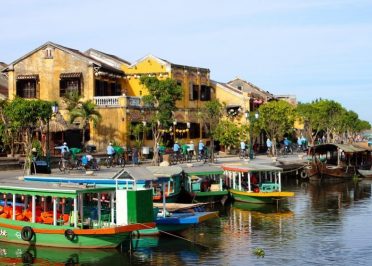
column 260, row 159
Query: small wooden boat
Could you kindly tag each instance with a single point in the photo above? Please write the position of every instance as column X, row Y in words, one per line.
column 335, row 161
column 71, row 216
column 255, row 183
column 205, row 183
column 174, row 218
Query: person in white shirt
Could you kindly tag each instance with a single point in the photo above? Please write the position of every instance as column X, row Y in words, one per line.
column 191, row 148
column 110, row 150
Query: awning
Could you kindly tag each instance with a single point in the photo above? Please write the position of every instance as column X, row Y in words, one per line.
column 29, row 76
column 70, row 75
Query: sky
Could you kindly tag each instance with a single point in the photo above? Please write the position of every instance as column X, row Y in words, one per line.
column 310, row 48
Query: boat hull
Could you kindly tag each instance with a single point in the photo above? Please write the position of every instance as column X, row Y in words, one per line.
column 210, row 196
column 178, row 222
column 365, row 173
column 54, row 236
column 259, row 197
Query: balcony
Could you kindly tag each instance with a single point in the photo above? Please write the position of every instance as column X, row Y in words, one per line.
column 106, row 101
column 117, row 101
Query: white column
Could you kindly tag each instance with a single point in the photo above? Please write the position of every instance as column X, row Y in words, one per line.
column 280, row 181
column 55, row 211
column 240, row 181
column 99, row 206
column 33, row 209
column 249, row 182
column 112, row 201
column 14, row 207
column 75, row 213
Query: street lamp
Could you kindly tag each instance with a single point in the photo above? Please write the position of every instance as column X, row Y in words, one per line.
column 54, row 110
column 174, row 130
column 252, row 119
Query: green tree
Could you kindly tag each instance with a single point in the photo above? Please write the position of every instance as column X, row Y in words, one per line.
column 227, row 133
column 160, row 103
column 86, row 113
column 211, row 114
column 276, row 119
column 27, row 116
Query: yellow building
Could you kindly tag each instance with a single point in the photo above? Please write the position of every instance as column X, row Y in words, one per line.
column 196, row 91
column 51, row 70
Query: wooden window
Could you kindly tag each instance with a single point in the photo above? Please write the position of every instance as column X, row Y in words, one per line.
column 194, row 131
column 205, row 93
column 26, row 88
column 68, row 85
column 194, row 92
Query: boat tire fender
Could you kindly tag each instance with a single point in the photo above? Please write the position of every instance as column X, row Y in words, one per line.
column 303, row 174
column 27, row 233
column 70, row 235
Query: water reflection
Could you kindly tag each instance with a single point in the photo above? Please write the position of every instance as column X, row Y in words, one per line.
column 24, row 254
column 324, row 224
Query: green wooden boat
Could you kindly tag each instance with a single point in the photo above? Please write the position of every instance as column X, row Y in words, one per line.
column 255, row 183
column 205, row 183
column 71, row 216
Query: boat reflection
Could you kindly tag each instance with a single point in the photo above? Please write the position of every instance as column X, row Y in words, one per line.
column 13, row 254
column 244, row 218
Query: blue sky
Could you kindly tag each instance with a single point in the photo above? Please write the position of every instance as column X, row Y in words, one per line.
column 309, row 48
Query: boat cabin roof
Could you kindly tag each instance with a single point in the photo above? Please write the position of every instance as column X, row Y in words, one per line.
column 251, row 168
column 50, row 189
column 150, row 172
column 348, row 148
column 202, row 170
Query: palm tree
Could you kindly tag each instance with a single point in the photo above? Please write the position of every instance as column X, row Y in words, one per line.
column 86, row 113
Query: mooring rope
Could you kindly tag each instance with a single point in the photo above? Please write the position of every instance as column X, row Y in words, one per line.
column 177, row 236
column 293, row 170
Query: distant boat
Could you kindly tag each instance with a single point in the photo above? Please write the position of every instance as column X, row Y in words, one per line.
column 255, row 183
column 205, row 183
column 335, row 161
column 70, row 215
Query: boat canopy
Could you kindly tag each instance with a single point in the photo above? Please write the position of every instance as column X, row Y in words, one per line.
column 202, row 170
column 48, row 189
column 245, row 168
column 348, row 148
column 150, row 172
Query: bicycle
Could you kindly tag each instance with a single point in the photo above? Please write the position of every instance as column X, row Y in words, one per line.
column 67, row 164
column 243, row 154
column 113, row 160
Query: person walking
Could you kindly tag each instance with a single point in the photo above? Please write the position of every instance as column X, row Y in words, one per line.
column 201, row 146
column 269, row 146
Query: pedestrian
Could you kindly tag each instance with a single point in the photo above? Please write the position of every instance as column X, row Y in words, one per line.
column 269, row 145
column 135, row 155
column 201, row 147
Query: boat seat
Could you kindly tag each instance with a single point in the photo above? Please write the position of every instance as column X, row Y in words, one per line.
column 215, row 187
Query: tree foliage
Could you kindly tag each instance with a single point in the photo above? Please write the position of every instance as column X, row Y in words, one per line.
column 86, row 112
column 27, row 116
column 227, row 133
column 276, row 118
column 161, row 104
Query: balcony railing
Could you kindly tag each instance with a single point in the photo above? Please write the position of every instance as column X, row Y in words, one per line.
column 113, row 101
column 106, row 101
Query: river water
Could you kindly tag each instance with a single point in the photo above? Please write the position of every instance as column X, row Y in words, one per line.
column 324, row 224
